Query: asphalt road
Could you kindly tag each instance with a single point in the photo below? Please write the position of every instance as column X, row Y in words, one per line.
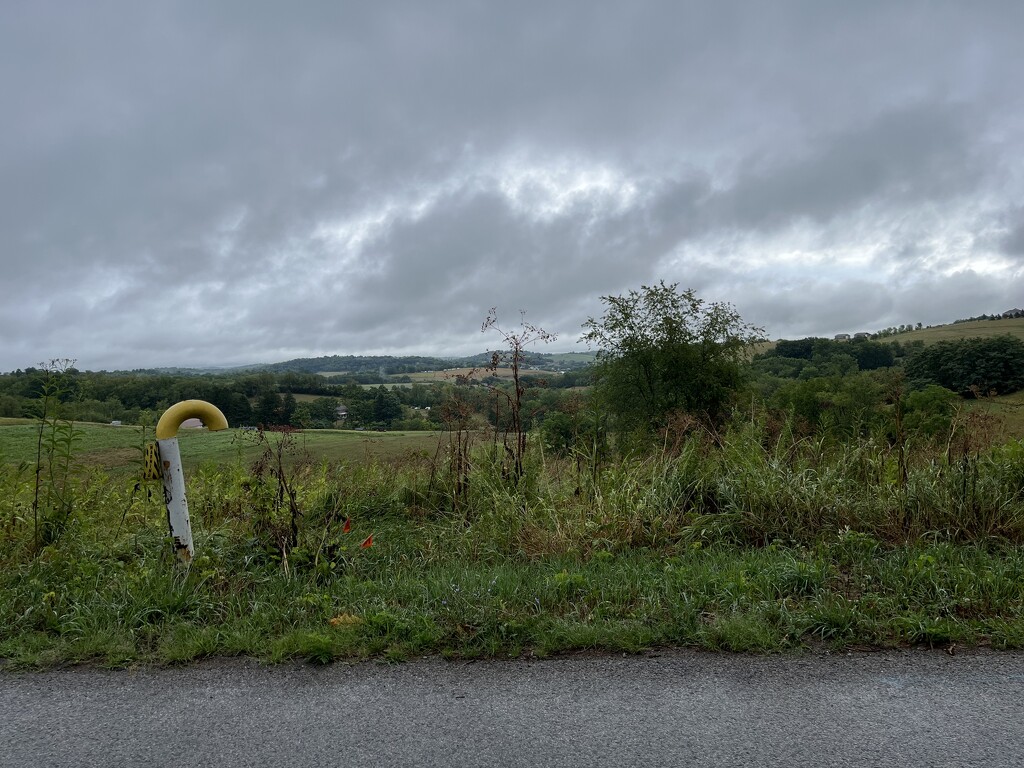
column 906, row 708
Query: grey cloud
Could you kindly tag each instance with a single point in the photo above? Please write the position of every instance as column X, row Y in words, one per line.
column 910, row 155
column 477, row 251
column 816, row 307
column 1012, row 242
column 931, row 298
column 169, row 164
column 821, row 308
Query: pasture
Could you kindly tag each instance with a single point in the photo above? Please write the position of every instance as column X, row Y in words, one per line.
column 971, row 330
column 119, row 449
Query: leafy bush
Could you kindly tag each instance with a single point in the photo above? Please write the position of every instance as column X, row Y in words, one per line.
column 971, row 367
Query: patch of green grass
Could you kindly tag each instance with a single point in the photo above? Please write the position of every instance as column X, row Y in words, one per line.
column 6, row 421
column 728, row 545
column 117, row 449
column 1007, row 409
column 971, row 330
column 401, row 598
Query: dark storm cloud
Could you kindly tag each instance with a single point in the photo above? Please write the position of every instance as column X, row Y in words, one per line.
column 1011, row 241
column 257, row 180
column 917, row 153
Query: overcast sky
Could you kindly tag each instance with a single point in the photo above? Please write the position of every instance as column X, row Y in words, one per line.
column 196, row 183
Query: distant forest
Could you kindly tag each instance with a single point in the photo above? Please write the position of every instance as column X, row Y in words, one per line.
column 813, row 383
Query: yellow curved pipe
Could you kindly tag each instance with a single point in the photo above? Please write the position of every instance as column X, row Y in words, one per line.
column 173, row 417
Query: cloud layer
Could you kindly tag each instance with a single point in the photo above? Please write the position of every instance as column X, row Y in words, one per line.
column 251, row 182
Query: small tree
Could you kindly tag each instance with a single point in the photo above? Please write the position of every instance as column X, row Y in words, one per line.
column 268, row 409
column 288, row 405
column 387, row 408
column 662, row 350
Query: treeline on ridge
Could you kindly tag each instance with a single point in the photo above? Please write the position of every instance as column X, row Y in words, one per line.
column 662, row 354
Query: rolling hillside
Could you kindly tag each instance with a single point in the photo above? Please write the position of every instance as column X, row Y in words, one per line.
column 969, row 330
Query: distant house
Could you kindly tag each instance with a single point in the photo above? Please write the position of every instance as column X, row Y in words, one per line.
column 1013, row 313
column 862, row 335
column 842, row 337
column 191, row 424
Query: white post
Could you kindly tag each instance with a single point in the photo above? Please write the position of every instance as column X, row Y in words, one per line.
column 174, row 478
column 174, row 497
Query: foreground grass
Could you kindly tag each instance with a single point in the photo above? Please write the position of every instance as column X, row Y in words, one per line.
column 130, row 607
column 726, row 544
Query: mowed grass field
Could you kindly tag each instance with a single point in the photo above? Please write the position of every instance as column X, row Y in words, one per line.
column 951, row 332
column 972, row 330
column 117, row 449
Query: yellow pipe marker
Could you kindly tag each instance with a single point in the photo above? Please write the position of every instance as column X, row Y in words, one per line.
column 177, row 414
column 173, row 476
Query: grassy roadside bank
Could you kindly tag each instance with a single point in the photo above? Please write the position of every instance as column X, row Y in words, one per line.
column 130, row 607
column 725, row 544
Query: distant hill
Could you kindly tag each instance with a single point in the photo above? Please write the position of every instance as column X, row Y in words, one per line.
column 384, row 365
column 388, row 365
column 178, row 371
column 961, row 329
column 564, row 361
column 970, row 329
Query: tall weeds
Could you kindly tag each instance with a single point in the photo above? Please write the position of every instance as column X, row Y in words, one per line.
column 54, row 488
column 748, row 484
column 741, row 486
column 745, row 539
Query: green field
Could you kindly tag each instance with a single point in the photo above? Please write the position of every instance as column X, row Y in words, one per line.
column 726, row 545
column 1008, row 411
column 767, row 531
column 972, row 330
column 116, row 449
column 949, row 332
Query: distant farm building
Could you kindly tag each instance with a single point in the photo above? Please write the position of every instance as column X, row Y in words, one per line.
column 842, row 337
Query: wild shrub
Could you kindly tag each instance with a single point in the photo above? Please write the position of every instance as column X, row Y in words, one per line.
column 971, row 366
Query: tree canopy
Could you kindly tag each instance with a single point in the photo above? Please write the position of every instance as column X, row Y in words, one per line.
column 663, row 350
column 971, row 366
